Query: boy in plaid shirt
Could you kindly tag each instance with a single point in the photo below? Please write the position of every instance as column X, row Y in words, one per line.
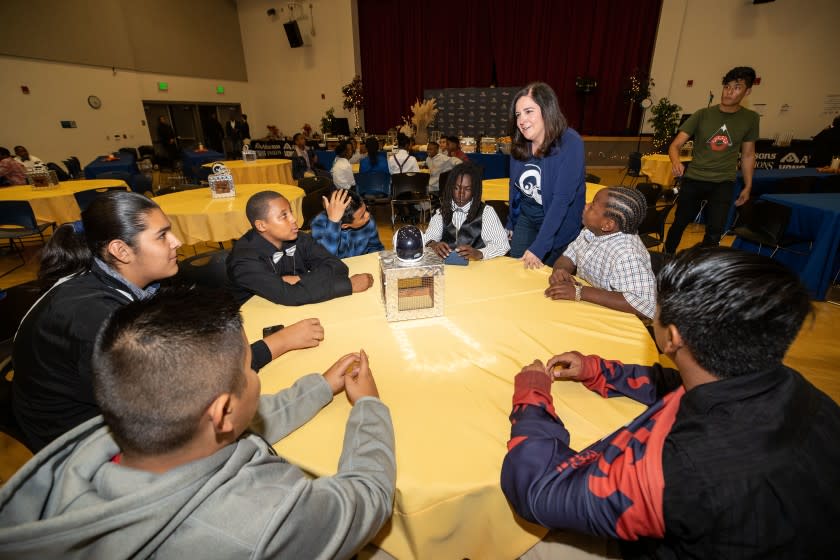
column 609, row 255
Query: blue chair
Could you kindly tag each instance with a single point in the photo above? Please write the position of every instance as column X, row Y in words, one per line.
column 17, row 222
column 84, row 198
column 374, row 187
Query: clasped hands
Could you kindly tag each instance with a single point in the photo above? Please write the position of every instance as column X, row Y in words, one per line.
column 351, row 374
column 561, row 285
column 567, row 365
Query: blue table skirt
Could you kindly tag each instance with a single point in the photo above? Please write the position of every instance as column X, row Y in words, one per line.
column 193, row 162
column 495, row 165
column 815, row 217
column 124, row 164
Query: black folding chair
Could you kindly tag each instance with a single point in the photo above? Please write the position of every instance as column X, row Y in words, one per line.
column 767, row 225
column 409, row 190
column 633, row 169
column 652, row 228
column 314, row 188
column 652, row 192
column 208, row 270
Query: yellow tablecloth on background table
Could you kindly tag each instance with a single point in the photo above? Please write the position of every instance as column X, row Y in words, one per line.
column 196, row 216
column 658, row 168
column 260, row 171
column 499, row 189
column 448, row 382
column 57, row 205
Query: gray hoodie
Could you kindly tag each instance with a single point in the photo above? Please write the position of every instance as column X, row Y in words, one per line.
column 72, row 501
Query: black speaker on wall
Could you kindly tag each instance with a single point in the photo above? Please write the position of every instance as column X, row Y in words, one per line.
column 293, row 34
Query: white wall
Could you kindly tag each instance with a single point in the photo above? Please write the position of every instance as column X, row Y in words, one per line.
column 287, row 83
column 60, row 91
column 792, row 44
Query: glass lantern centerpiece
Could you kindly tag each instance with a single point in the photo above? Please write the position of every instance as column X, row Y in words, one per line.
column 40, row 177
column 411, row 278
column 488, row 145
column 468, row 144
column 221, row 182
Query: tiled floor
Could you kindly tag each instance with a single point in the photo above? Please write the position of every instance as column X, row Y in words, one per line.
column 815, row 352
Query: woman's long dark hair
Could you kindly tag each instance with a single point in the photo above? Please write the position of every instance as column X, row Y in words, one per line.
column 555, row 121
column 372, row 146
column 474, row 172
column 113, row 215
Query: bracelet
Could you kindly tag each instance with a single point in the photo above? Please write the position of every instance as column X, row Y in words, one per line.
column 578, row 290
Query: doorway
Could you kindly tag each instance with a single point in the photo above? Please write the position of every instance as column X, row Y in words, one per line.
column 191, row 122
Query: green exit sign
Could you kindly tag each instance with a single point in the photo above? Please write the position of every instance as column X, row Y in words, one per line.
column 163, row 86
column 220, row 89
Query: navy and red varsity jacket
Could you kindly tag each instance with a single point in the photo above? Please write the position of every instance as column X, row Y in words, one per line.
column 745, row 467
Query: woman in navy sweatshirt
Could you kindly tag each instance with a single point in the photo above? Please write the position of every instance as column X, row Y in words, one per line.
column 547, row 187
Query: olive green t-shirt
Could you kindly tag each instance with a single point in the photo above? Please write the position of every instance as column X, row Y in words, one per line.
column 717, row 142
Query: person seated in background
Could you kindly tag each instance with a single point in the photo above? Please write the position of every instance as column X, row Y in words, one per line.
column 375, row 160
column 345, row 228
column 453, row 148
column 275, row 261
column 609, row 255
column 304, row 160
column 23, row 156
column 120, row 252
column 826, row 144
column 12, row 172
column 437, row 163
column 342, row 170
column 180, row 462
column 401, row 161
column 464, row 223
column 736, row 455
column 358, row 151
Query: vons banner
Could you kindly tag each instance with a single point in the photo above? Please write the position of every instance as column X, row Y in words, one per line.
column 797, row 155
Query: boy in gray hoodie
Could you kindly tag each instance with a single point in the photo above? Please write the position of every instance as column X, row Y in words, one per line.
column 171, row 469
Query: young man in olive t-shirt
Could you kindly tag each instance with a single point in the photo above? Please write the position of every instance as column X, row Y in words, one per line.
column 720, row 133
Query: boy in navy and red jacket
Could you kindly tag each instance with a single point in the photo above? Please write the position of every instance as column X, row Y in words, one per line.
column 736, row 455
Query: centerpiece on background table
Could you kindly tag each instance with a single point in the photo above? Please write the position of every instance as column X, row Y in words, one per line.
column 423, row 113
column 221, row 182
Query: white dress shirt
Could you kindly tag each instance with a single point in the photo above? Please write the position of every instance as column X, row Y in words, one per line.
column 342, row 173
column 357, row 157
column 404, row 159
column 493, row 232
column 437, row 165
column 618, row 262
column 30, row 163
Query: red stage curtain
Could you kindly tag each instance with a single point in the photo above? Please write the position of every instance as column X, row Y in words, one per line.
column 406, row 49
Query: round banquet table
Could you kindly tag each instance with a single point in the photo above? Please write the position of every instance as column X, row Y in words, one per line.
column 658, row 168
column 499, row 189
column 260, row 171
column 448, row 382
column 197, row 217
column 58, row 204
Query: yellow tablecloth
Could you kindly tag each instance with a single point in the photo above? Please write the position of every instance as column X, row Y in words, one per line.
column 499, row 189
column 57, row 205
column 658, row 168
column 196, row 216
column 448, row 382
column 260, row 171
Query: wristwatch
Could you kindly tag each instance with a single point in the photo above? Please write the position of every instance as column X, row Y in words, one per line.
column 578, row 290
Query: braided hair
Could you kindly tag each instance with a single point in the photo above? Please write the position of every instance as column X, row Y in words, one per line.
column 626, row 207
column 474, row 172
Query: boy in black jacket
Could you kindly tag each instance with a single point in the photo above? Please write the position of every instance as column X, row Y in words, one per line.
column 276, row 262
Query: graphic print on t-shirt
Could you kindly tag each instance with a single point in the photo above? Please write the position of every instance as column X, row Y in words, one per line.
column 530, row 182
column 720, row 140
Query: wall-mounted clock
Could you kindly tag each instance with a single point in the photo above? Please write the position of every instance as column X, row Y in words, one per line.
column 94, row 102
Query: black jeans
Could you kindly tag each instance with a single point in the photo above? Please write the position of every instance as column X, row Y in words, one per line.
column 692, row 195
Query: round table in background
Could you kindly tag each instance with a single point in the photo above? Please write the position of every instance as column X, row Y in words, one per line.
column 259, row 171
column 196, row 216
column 499, row 189
column 658, row 168
column 448, row 382
column 57, row 204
